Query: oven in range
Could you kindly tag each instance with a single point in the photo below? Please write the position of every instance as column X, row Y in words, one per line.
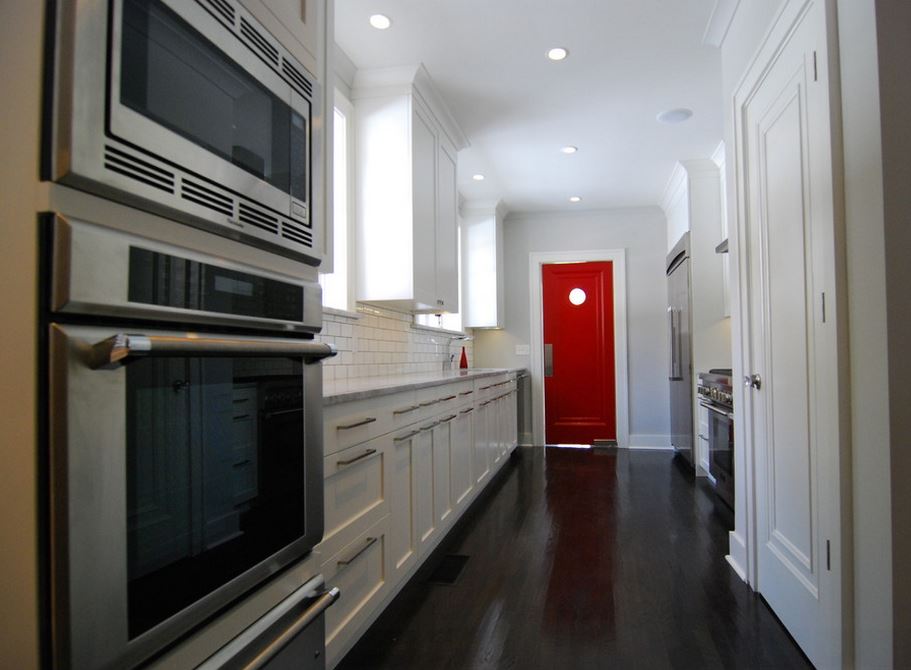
column 185, row 429
column 716, row 394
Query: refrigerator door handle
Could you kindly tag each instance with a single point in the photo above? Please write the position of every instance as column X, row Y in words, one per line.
column 673, row 318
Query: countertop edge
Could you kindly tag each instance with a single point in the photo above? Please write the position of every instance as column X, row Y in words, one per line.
column 389, row 386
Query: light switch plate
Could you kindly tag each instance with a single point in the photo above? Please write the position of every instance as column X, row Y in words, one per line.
column 523, row 350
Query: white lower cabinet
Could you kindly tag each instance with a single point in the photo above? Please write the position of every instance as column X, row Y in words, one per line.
column 360, row 570
column 390, row 498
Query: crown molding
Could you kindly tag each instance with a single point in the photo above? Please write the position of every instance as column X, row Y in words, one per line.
column 720, row 22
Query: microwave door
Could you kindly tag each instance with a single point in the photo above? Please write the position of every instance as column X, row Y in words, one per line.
column 169, row 501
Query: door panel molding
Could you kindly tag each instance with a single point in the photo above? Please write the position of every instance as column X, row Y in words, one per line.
column 535, row 261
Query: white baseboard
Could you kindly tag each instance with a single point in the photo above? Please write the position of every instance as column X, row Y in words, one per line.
column 640, row 441
column 737, row 558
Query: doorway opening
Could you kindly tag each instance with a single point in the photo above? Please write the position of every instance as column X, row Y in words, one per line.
column 579, row 382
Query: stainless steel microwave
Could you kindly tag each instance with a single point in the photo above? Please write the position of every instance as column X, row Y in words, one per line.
column 190, row 109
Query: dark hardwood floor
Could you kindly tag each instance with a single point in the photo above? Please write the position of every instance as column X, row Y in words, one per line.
column 580, row 559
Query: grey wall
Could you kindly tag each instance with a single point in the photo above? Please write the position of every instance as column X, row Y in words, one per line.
column 642, row 232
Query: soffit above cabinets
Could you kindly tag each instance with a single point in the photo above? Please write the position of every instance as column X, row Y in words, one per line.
column 628, row 61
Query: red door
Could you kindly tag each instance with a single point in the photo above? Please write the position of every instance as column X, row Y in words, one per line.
column 579, row 388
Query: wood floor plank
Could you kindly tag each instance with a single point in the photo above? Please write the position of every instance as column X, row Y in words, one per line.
column 583, row 559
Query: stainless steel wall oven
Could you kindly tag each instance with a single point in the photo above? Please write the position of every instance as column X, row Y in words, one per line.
column 716, row 394
column 185, row 410
column 191, row 109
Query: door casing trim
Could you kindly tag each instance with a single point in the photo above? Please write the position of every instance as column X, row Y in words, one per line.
column 621, row 368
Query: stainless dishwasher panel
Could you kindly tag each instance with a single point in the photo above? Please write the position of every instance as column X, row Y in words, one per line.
column 523, row 408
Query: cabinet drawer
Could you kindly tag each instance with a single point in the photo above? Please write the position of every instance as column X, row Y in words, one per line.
column 490, row 387
column 359, row 570
column 354, row 486
column 351, row 423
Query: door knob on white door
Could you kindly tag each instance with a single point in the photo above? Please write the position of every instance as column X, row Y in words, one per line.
column 753, row 381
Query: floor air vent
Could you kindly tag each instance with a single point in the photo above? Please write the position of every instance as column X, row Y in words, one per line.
column 296, row 233
column 207, row 197
column 449, row 569
column 220, row 9
column 258, row 219
column 258, row 42
column 296, row 79
column 148, row 173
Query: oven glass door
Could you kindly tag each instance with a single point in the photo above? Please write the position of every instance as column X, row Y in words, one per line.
column 171, row 74
column 721, row 442
column 215, row 475
column 186, row 470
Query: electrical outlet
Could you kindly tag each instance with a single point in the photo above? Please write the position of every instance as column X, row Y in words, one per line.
column 523, row 350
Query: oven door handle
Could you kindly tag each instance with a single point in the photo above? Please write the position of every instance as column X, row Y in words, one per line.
column 244, row 650
column 123, row 348
column 712, row 408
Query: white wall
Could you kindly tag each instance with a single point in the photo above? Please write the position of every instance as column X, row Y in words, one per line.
column 642, row 232
column 865, row 259
column 20, row 74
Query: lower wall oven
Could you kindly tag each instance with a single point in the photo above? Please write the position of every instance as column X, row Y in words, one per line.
column 185, row 463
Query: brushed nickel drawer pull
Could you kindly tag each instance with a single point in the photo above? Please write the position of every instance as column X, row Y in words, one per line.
column 448, row 418
column 367, row 453
column 362, row 422
column 428, row 403
column 449, row 397
column 348, row 561
column 466, row 392
column 484, row 388
column 405, row 410
column 467, row 411
column 429, row 426
column 402, row 438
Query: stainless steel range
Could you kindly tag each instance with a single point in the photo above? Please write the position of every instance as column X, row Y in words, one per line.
column 716, row 394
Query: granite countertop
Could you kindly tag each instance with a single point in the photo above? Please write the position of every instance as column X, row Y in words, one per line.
column 347, row 390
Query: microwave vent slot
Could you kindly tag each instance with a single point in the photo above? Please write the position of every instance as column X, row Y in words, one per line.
column 148, row 173
column 207, row 197
column 296, row 79
column 259, row 43
column 220, row 9
column 257, row 218
column 296, row 233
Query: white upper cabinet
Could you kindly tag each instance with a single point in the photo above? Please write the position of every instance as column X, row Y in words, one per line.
column 482, row 259
column 300, row 25
column 407, row 200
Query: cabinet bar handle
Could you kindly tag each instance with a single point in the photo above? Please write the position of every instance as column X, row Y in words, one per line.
column 367, row 453
column 428, row 427
column 429, row 403
column 362, row 422
column 348, row 561
column 484, row 388
column 467, row 411
column 402, row 438
column 405, row 410
column 466, row 392
column 449, row 397
column 448, row 418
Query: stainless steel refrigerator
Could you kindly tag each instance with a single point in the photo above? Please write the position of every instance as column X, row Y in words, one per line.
column 680, row 359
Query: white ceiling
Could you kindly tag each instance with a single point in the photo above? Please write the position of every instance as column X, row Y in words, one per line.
column 629, row 60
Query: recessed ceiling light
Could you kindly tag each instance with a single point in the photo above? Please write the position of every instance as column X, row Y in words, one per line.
column 477, row 177
column 575, row 198
column 569, row 149
column 380, row 21
column 557, row 53
column 678, row 115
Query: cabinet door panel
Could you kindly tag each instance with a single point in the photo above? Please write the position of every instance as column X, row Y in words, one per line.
column 442, row 498
column 400, row 484
column 422, row 482
column 424, row 170
column 479, row 459
column 461, row 447
column 447, row 271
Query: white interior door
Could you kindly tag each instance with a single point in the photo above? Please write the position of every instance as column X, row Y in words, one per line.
column 792, row 346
